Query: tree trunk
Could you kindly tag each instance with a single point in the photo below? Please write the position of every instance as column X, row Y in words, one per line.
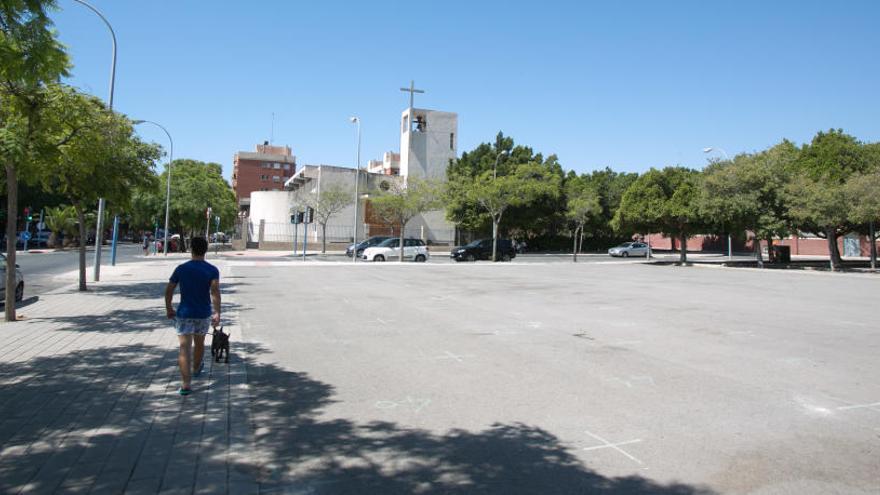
column 873, row 246
column 400, row 245
column 581, row 242
column 11, row 237
column 770, row 249
column 81, row 216
column 758, row 257
column 494, row 238
column 574, row 248
column 324, row 238
column 833, row 252
column 683, row 258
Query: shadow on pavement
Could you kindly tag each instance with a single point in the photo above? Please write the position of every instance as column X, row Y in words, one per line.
column 151, row 290
column 304, row 452
column 109, row 419
column 127, row 320
column 23, row 303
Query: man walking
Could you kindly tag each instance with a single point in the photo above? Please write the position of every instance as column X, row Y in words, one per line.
column 199, row 290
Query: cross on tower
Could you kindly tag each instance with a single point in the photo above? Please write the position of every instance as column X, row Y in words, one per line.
column 412, row 90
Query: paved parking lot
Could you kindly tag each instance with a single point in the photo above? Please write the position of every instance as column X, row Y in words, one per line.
column 560, row 378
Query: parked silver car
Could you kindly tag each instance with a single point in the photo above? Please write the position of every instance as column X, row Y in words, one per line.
column 628, row 249
column 19, row 281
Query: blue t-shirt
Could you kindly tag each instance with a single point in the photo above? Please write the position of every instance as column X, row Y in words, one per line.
column 194, row 278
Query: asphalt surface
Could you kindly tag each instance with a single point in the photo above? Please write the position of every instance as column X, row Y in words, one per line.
column 552, row 377
column 42, row 269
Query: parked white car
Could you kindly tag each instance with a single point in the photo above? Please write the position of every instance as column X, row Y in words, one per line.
column 388, row 250
column 19, row 281
column 629, row 249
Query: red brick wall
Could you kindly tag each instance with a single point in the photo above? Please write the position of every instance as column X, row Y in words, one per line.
column 247, row 178
column 806, row 247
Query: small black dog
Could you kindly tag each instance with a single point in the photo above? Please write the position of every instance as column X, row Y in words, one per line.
column 219, row 343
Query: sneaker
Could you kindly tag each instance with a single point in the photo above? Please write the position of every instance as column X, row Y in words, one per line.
column 184, row 391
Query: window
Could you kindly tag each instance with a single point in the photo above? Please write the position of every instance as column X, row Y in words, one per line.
column 452, row 140
column 264, row 177
column 286, row 166
column 275, row 178
column 276, row 166
column 266, row 165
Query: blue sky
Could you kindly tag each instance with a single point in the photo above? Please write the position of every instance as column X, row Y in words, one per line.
column 625, row 84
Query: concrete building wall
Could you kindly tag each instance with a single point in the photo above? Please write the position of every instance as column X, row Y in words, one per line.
column 434, row 138
column 271, row 206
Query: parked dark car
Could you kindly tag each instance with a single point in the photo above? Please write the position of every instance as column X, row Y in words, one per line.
column 372, row 241
column 481, row 249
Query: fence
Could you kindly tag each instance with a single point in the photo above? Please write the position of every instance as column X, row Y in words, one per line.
column 285, row 233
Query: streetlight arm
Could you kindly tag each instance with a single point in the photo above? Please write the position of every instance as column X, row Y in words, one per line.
column 711, row 149
column 113, row 36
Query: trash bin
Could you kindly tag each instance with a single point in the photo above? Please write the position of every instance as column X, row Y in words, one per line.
column 781, row 254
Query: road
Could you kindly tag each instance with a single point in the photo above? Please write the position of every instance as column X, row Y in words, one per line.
column 41, row 269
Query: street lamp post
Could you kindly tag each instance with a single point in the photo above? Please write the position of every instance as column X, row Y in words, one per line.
column 167, row 179
column 100, row 222
column 357, row 173
column 729, row 240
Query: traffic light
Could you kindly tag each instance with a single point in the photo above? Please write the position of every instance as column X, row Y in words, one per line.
column 27, row 214
column 294, row 219
column 309, row 215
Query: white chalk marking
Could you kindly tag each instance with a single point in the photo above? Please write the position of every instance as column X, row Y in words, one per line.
column 380, row 320
column 859, row 406
column 615, row 446
column 596, row 447
column 535, row 324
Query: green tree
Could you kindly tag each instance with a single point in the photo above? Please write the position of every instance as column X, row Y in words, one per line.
column 543, row 215
column 493, row 196
column 195, row 186
column 61, row 221
column 816, row 192
column 582, row 205
column 610, row 186
column 862, row 193
column 403, row 201
column 664, row 201
column 101, row 158
column 147, row 206
column 746, row 194
column 30, row 57
column 331, row 200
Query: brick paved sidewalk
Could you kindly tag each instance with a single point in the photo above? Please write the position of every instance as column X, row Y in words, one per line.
column 89, row 402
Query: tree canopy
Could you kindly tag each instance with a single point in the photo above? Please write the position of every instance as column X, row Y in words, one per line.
column 404, row 200
column 663, row 201
column 30, row 58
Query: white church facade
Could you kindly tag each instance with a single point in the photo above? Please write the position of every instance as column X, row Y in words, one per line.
column 428, row 142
